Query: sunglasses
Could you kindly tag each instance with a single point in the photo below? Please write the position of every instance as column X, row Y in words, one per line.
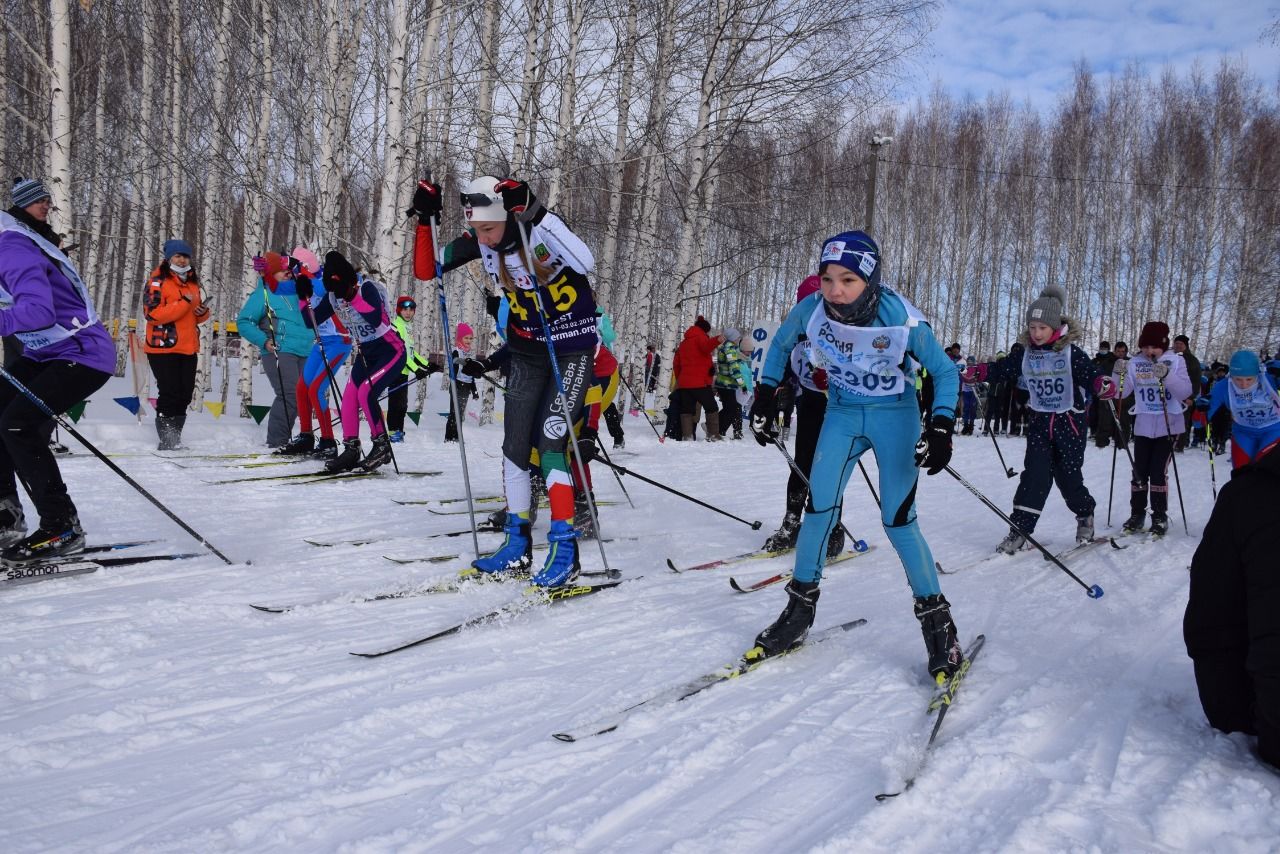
column 475, row 200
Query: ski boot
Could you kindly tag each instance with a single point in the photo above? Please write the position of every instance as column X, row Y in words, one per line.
column 57, row 448
column 516, row 552
column 169, row 431
column 13, row 524
column 347, row 460
column 582, row 522
column 619, row 443
column 326, row 449
column 397, row 436
column 1159, row 524
column 835, row 542
column 1012, row 543
column 792, row 625
column 303, row 443
column 1084, row 529
column 785, row 537
column 1135, row 522
column 561, row 566
column 945, row 653
column 379, row 454
column 55, row 541
column 784, row 435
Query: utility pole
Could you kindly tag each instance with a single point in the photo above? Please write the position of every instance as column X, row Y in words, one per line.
column 875, row 142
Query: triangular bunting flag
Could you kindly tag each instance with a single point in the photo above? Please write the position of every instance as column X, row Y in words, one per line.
column 414, row 416
column 258, row 412
column 215, row 408
column 130, row 403
column 77, row 411
column 152, row 401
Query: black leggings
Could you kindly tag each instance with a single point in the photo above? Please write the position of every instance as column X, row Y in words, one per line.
column 26, row 429
column 1150, row 470
column 811, row 411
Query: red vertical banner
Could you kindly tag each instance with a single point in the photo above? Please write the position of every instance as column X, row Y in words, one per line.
column 424, row 254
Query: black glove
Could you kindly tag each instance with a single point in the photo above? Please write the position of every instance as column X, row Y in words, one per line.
column 491, row 306
column 421, row 373
column 426, row 202
column 518, row 199
column 476, row 367
column 303, row 286
column 340, row 277
column 588, row 444
column 933, row 451
column 764, row 415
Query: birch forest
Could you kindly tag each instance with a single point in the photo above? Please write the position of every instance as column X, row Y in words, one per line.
column 702, row 149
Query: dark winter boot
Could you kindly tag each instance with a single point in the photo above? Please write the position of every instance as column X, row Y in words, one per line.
column 1136, row 520
column 169, row 429
column 326, row 449
column 300, row 445
column 792, row 625
column 561, row 566
column 1084, row 528
column 13, row 524
column 379, row 454
column 835, row 542
column 495, row 521
column 1159, row 524
column 46, row 543
column 940, row 640
column 687, row 425
column 785, row 537
column 347, row 460
column 516, row 552
column 713, row 427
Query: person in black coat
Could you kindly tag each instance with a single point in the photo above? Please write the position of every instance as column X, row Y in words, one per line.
column 1232, row 623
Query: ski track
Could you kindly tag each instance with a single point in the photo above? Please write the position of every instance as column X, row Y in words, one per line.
column 149, row 709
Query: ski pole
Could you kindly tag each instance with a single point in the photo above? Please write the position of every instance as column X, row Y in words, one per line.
column 1173, row 455
column 386, row 394
column 617, row 478
column 1008, row 472
column 1111, row 493
column 436, row 249
column 58, row 419
column 565, row 412
column 1213, row 476
column 1094, row 591
column 858, row 545
column 755, row 526
column 866, row 477
column 333, row 381
column 271, row 329
column 661, row 438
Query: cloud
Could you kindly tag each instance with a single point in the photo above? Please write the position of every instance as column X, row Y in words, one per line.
column 1031, row 49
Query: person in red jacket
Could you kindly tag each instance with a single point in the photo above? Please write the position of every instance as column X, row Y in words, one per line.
column 174, row 308
column 695, row 368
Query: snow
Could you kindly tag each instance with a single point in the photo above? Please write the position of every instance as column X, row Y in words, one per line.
column 149, row 709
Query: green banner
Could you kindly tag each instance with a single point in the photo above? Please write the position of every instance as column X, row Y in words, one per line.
column 414, row 416
column 258, row 412
column 77, row 411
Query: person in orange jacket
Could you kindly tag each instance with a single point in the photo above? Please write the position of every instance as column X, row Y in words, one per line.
column 174, row 308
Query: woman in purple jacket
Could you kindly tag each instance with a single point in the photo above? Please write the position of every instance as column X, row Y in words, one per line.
column 67, row 355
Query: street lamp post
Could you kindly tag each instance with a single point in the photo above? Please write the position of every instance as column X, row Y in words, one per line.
column 875, row 142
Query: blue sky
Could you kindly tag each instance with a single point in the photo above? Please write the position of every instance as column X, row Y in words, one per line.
column 1030, row 48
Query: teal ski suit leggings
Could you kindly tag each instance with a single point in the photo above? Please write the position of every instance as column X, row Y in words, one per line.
column 891, row 431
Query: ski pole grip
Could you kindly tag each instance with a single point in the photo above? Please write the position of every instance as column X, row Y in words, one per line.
column 755, row 526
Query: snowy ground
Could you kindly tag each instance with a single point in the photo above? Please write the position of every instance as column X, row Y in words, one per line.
column 149, row 709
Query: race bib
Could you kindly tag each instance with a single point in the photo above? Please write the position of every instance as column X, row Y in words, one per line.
column 1048, row 375
column 1146, row 390
column 1257, row 408
column 864, row 360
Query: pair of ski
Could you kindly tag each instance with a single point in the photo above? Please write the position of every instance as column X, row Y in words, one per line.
column 456, row 583
column 317, row 476
column 860, row 548
column 75, row 564
column 1114, row 540
column 937, row 708
column 530, row 598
